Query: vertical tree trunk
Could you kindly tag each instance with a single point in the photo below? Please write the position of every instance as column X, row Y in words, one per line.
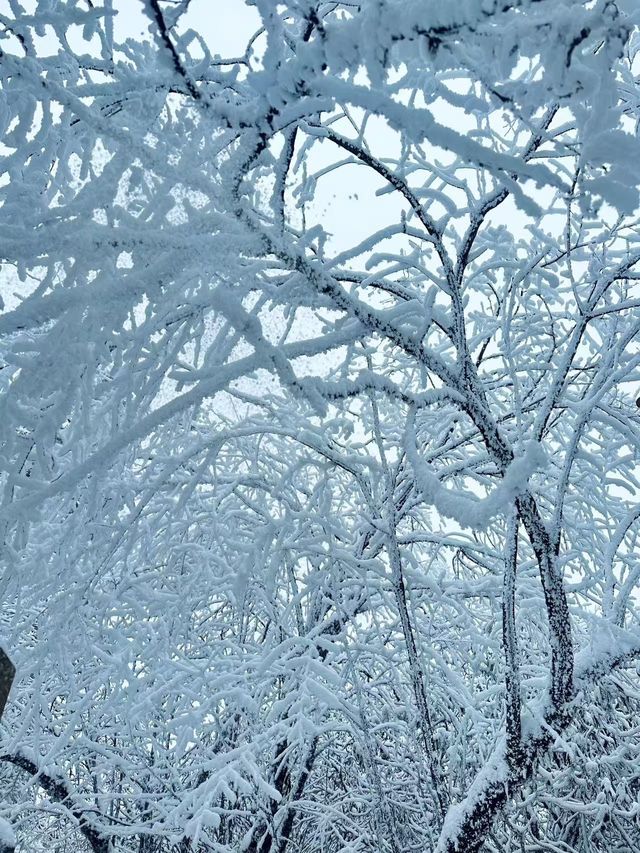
column 417, row 678
column 7, row 674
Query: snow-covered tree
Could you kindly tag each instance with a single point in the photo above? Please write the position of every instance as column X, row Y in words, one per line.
column 319, row 443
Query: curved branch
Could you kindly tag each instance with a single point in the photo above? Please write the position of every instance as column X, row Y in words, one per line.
column 401, row 185
column 468, row 822
column 510, row 644
column 59, row 790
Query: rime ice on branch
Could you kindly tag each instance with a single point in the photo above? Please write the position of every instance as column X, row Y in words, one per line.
column 319, row 445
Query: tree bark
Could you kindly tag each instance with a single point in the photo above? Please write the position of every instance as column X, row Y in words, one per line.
column 7, row 674
column 58, row 790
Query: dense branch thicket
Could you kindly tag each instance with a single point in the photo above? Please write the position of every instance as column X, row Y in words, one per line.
column 319, row 450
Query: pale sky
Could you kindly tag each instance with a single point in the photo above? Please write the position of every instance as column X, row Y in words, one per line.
column 226, row 25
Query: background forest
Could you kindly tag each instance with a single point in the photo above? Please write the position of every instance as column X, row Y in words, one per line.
column 319, row 444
